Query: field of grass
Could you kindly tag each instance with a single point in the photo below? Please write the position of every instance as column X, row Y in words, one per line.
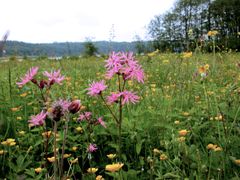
column 185, row 125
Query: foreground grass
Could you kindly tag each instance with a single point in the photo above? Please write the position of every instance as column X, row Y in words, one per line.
column 185, row 126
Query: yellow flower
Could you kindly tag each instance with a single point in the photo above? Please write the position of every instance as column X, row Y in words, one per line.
column 79, row 129
column 156, row 151
column 163, row 157
column 111, row 156
column 114, row 167
column 187, row 54
column 74, row 148
column 1, row 152
column 212, row 33
column 206, row 66
column 73, row 161
column 19, row 118
column 99, row 177
column 12, row 143
column 237, row 161
column 66, row 155
column 218, row 149
column 23, row 94
column 92, row 170
column 181, row 139
column 15, row 109
column 51, row 159
column 38, row 170
column 185, row 113
column 177, row 122
column 47, row 134
column 182, row 132
column 211, row 146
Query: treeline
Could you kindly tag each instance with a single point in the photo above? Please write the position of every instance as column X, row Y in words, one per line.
column 185, row 27
column 16, row 48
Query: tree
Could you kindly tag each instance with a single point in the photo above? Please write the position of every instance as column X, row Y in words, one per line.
column 89, row 48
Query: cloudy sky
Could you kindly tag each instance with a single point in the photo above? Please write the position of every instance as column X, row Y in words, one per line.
column 39, row 21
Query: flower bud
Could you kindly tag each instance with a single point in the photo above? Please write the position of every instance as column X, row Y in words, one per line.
column 42, row 84
column 74, row 107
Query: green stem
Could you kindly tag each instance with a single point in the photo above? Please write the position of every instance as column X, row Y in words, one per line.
column 55, row 151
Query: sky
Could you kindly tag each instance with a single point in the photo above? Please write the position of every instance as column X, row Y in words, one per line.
column 47, row 21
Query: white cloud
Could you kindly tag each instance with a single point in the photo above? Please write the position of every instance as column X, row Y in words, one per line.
column 74, row 20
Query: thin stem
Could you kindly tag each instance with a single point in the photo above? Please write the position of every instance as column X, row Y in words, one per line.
column 55, row 150
column 114, row 116
column 63, row 145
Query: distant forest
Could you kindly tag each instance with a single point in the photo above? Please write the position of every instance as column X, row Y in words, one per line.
column 17, row 48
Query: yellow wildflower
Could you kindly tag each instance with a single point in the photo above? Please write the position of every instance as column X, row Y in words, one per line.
column 38, row 170
column 185, row 113
column 74, row 148
column 74, row 161
column 177, row 122
column 99, row 177
column 212, row 33
column 47, row 134
column 1, row 152
column 181, row 139
column 156, row 151
column 23, row 94
column 51, row 159
column 21, row 133
column 79, row 129
column 111, row 156
column 237, row 161
column 187, row 54
column 92, row 170
column 163, row 157
column 19, row 118
column 66, row 155
column 114, row 167
column 182, row 132
column 15, row 109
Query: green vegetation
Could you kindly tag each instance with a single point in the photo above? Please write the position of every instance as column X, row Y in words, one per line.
column 186, row 124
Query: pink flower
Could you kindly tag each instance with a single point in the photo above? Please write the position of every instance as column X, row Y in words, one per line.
column 59, row 109
column 92, row 148
column 85, row 116
column 28, row 76
column 96, row 88
column 124, row 64
column 101, row 122
column 129, row 97
column 38, row 120
column 54, row 77
column 113, row 98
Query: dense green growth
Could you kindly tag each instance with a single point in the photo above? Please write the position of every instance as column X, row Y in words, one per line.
column 185, row 126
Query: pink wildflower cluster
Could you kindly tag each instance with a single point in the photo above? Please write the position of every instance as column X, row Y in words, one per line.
column 38, row 120
column 92, row 148
column 127, row 97
column 96, row 88
column 29, row 76
column 53, row 77
column 88, row 117
column 124, row 64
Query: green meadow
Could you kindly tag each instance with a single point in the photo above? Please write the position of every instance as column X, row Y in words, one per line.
column 185, row 125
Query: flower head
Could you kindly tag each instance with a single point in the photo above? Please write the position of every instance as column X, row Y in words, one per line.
column 74, row 106
column 114, row 167
column 92, row 148
column 113, row 98
column 59, row 109
column 85, row 116
column 96, row 88
column 29, row 76
column 54, row 77
column 101, row 122
column 124, row 64
column 129, row 97
column 38, row 120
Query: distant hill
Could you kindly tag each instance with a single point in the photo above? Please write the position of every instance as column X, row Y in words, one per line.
column 63, row 48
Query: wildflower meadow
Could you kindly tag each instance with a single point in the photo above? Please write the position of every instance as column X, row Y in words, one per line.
column 123, row 116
